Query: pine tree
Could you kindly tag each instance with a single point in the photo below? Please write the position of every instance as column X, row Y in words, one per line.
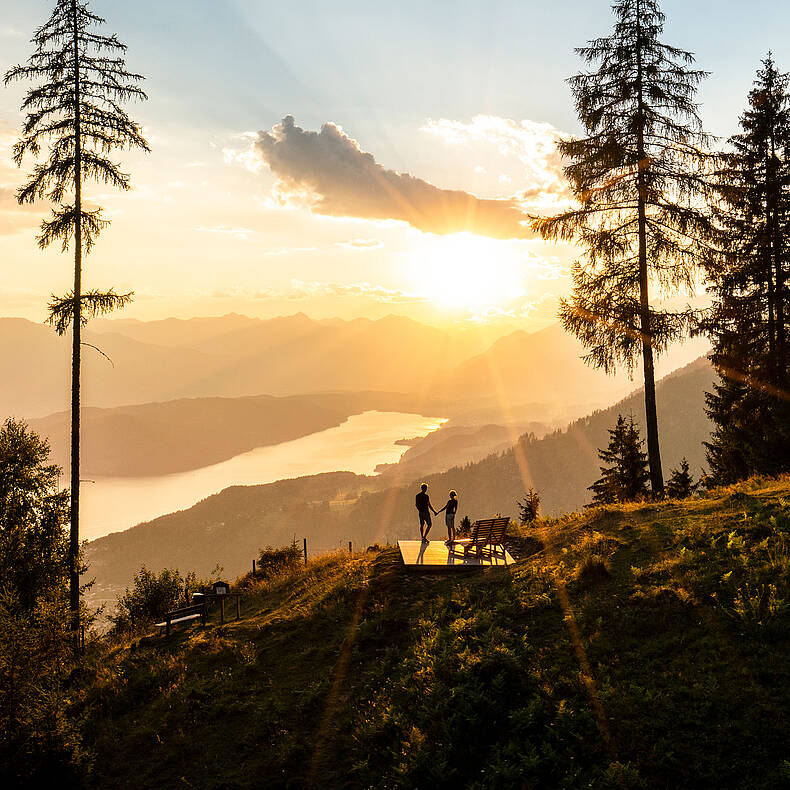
column 624, row 476
column 528, row 508
column 639, row 177
column 748, row 322
column 681, row 484
column 75, row 107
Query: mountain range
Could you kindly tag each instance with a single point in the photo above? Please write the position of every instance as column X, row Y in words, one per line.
column 235, row 356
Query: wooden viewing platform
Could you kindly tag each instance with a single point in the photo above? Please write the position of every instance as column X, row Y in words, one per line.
column 436, row 556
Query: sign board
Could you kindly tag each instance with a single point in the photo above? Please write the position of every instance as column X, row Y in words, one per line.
column 221, row 588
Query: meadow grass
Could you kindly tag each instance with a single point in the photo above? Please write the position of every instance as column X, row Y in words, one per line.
column 637, row 646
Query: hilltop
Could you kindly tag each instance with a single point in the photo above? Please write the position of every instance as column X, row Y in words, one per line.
column 630, row 647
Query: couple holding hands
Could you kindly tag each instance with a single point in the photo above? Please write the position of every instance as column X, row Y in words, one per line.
column 424, row 507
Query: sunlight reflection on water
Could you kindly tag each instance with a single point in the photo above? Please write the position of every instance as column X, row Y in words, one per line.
column 111, row 504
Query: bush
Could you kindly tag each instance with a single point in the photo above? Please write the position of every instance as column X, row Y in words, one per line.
column 40, row 737
column 528, row 509
column 274, row 560
column 150, row 597
column 465, row 528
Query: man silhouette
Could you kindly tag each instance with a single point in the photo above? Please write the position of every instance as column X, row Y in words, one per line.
column 424, row 507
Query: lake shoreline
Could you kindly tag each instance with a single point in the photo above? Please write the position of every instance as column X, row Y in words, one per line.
column 358, row 444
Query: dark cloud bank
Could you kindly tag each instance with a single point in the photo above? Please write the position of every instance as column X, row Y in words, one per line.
column 348, row 182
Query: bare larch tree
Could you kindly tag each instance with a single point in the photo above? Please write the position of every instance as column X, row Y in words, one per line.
column 75, row 111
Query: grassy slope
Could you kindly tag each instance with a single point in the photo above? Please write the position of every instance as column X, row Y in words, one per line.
column 355, row 673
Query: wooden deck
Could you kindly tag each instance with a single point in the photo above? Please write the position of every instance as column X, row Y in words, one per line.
column 436, row 556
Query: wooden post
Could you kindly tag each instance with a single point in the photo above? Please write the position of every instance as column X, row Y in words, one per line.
column 238, row 606
column 349, row 547
column 305, row 551
column 221, row 609
column 253, row 567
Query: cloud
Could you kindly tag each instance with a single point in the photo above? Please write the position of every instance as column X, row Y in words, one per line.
column 545, row 307
column 529, row 145
column 14, row 217
column 309, row 289
column 288, row 250
column 361, row 244
column 330, row 173
column 228, row 230
column 301, row 290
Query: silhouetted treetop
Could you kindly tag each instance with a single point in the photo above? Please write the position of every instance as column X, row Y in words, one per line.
column 640, row 176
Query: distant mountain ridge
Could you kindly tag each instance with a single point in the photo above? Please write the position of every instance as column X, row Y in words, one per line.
column 236, row 356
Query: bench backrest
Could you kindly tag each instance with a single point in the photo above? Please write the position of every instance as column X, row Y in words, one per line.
column 490, row 530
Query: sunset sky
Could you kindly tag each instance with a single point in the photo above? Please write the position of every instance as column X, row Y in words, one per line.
column 349, row 158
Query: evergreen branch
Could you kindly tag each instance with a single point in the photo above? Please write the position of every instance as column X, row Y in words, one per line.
column 91, row 304
column 63, row 225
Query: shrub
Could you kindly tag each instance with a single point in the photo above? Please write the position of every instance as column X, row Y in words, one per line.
column 40, row 737
column 681, row 484
column 464, row 528
column 273, row 560
column 150, row 597
column 592, row 570
column 528, row 509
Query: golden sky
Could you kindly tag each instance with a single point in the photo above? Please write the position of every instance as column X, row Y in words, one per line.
column 343, row 161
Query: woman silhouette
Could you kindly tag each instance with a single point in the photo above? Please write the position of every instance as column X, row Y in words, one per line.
column 450, row 510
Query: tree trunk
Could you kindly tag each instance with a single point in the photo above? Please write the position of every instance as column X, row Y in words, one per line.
column 776, row 334
column 651, row 415
column 76, row 348
column 778, row 317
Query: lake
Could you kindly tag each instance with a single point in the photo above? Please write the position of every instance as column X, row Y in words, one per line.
column 112, row 504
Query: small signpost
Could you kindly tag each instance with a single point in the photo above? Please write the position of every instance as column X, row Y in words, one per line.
column 220, row 591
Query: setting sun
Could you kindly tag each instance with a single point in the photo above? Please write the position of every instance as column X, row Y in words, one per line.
column 468, row 272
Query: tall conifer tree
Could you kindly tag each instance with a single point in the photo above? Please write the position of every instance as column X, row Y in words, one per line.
column 748, row 323
column 75, row 108
column 638, row 176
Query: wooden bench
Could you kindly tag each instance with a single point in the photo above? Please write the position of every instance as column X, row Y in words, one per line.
column 182, row 615
column 487, row 532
